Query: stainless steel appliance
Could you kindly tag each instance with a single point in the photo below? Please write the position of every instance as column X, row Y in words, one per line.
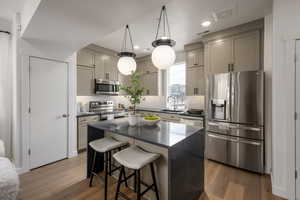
column 106, row 109
column 106, row 87
column 235, row 121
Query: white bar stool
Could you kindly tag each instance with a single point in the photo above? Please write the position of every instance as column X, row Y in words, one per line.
column 136, row 158
column 105, row 145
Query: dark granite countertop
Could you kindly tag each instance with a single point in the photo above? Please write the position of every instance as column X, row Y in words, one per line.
column 165, row 134
column 85, row 114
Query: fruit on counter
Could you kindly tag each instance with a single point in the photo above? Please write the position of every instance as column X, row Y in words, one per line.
column 151, row 117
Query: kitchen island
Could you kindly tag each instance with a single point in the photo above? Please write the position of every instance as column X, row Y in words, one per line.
column 180, row 168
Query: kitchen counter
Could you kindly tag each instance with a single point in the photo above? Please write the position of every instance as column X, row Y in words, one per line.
column 180, row 168
column 165, row 134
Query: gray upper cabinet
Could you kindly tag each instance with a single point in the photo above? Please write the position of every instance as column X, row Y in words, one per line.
column 220, row 55
column 85, row 58
column 150, row 83
column 110, row 68
column 124, row 82
column 145, row 66
column 246, row 48
column 195, row 58
column 195, row 81
column 99, row 66
column 106, row 67
column 241, row 52
column 94, row 64
column 85, row 81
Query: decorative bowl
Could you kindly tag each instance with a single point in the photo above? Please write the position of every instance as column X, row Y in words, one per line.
column 151, row 120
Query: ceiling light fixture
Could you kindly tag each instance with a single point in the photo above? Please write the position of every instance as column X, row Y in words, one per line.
column 127, row 64
column 206, row 23
column 136, row 47
column 163, row 54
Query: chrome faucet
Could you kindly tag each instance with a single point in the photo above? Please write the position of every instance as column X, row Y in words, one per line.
column 173, row 100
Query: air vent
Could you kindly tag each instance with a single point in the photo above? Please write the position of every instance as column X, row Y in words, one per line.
column 203, row 33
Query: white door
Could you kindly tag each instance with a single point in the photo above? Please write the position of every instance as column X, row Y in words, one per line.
column 48, row 111
column 298, row 118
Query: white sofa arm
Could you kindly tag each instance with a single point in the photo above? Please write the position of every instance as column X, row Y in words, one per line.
column 2, row 149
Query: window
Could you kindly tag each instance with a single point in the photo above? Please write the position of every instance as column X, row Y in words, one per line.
column 176, row 86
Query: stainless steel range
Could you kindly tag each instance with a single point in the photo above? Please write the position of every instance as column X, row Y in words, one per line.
column 106, row 109
column 235, row 122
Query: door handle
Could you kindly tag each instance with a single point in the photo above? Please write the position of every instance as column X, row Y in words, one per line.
column 65, row 115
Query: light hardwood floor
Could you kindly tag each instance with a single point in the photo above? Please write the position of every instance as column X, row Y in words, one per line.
column 66, row 180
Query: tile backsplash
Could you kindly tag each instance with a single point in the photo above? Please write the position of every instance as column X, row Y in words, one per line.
column 149, row 102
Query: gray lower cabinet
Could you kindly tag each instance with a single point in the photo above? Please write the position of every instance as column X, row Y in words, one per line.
column 85, row 81
column 82, row 124
column 195, row 81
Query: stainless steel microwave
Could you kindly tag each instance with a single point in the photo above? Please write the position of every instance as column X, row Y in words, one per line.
column 106, row 87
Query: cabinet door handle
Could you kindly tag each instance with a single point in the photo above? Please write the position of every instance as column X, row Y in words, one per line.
column 229, row 67
column 195, row 91
column 107, row 75
column 232, row 67
column 148, row 92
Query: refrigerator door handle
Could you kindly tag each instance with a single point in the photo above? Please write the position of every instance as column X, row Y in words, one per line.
column 235, row 140
column 249, row 142
column 245, row 128
column 222, row 138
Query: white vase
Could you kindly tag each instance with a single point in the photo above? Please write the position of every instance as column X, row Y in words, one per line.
column 133, row 120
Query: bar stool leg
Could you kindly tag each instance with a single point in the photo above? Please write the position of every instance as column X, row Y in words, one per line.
column 138, row 185
column 110, row 169
column 93, row 168
column 106, row 175
column 135, row 181
column 154, row 181
column 119, row 183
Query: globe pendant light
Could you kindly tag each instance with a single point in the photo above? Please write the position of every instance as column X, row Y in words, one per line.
column 163, row 54
column 126, row 63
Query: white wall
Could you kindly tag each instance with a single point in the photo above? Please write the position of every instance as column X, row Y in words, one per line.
column 286, row 18
column 23, row 49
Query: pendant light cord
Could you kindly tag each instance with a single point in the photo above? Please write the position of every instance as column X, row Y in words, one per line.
column 124, row 45
column 163, row 16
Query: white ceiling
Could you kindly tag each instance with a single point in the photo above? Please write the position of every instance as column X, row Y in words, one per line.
column 8, row 8
column 185, row 17
column 77, row 23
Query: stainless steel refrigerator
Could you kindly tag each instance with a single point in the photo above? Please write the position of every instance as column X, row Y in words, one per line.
column 235, row 120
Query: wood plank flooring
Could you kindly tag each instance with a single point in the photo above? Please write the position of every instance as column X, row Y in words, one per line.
column 66, row 180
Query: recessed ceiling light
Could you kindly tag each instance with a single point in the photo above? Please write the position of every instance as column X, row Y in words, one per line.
column 136, row 47
column 206, row 23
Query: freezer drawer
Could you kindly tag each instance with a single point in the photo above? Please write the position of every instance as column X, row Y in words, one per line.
column 238, row 152
column 237, row 130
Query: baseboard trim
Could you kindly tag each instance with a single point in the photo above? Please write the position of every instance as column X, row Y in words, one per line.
column 73, row 154
column 279, row 191
column 21, row 170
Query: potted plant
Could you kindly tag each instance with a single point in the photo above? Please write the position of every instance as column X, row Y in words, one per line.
column 134, row 93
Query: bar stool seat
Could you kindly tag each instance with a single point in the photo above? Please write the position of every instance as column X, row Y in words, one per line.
column 106, row 144
column 134, row 157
